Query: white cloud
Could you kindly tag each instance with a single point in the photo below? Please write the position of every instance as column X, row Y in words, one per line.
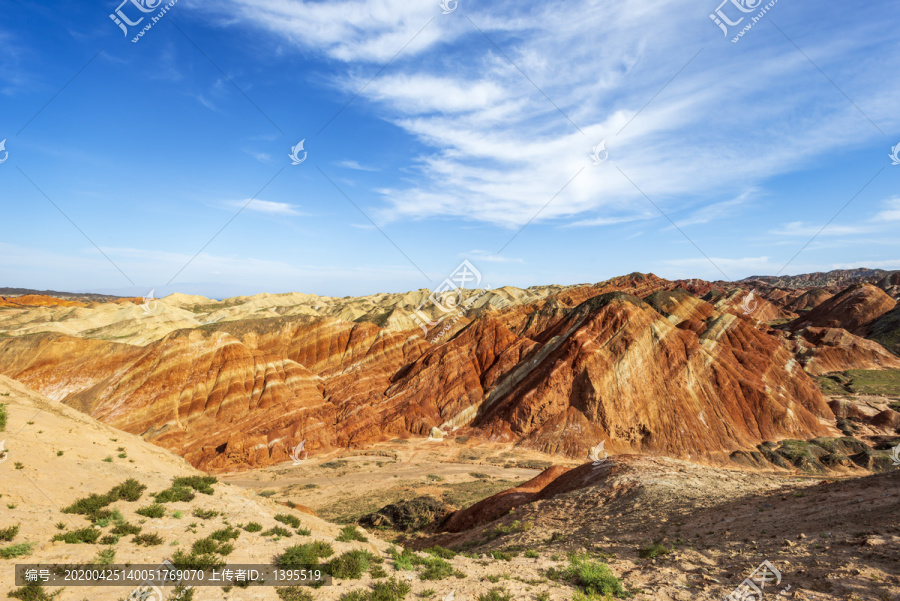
column 355, row 166
column 483, row 255
column 799, row 228
column 500, row 150
column 267, row 207
column 890, row 264
column 892, row 213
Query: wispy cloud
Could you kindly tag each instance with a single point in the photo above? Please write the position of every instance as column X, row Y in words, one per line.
column 354, row 165
column 267, row 207
column 482, row 255
column 892, row 213
column 800, row 228
column 499, row 150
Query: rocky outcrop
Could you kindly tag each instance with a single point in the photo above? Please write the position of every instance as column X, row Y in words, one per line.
column 854, row 310
column 827, row 350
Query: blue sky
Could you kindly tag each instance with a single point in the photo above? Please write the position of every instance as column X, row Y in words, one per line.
column 434, row 138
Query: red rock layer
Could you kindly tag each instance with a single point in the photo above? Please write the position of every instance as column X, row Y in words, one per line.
column 852, row 310
column 38, row 300
column 827, row 350
column 679, row 377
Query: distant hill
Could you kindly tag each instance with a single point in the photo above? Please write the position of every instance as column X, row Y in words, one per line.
column 97, row 298
column 838, row 277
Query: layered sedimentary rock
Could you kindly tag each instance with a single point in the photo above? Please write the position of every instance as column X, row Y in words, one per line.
column 560, row 372
column 853, row 310
column 827, row 350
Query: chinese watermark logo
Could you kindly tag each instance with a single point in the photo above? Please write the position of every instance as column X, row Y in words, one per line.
column 751, row 589
column 149, row 305
column 144, row 7
column 451, row 596
column 745, row 7
column 598, row 455
column 895, row 151
column 4, row 454
column 448, row 296
column 749, row 304
column 6, row 153
column 895, row 454
column 295, row 454
column 599, row 153
column 448, row 6
column 295, row 153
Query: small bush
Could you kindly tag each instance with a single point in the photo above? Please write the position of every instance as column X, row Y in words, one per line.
column 293, row 593
column 152, row 511
column 253, row 527
column 109, row 539
column 3, row 417
column 266, row 493
column 441, row 552
column 350, row 533
column 105, row 557
column 532, row 554
column 654, row 550
column 205, row 514
column 7, row 534
column 59, row 453
column 436, row 569
column 84, row 535
column 147, row 540
column 495, row 594
column 352, row 564
column 33, row 592
column 124, row 528
column 595, row 577
column 390, row 590
column 130, row 491
column 277, row 531
column 290, row 520
column 225, row 534
column 377, row 571
column 205, row 562
column 16, row 550
column 304, row 556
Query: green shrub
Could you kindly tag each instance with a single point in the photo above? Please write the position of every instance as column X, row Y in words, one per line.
column 436, row 569
column 350, row 533
column 124, row 528
column 33, row 592
column 495, row 594
column 130, row 491
column 147, row 540
column 105, row 557
column 7, row 534
column 352, row 564
column 267, row 494
column 277, row 531
column 439, row 551
column 3, row 417
column 653, row 550
column 225, row 534
column 532, row 554
column 594, row 576
column 205, row 514
column 377, row 571
column 205, row 562
column 390, row 590
column 290, row 520
column 304, row 556
column 254, row 527
column 109, row 539
column 84, row 535
column 16, row 550
column 202, row 484
column 152, row 511
column 293, row 593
